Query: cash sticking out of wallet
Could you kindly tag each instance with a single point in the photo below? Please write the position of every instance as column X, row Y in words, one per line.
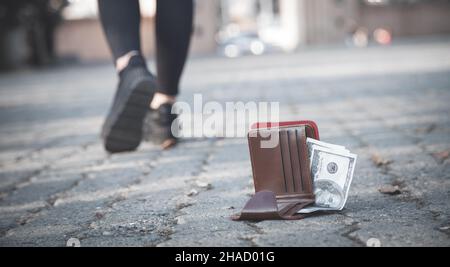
column 332, row 168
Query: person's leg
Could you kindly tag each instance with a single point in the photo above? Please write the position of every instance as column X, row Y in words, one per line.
column 173, row 33
column 120, row 20
column 122, row 130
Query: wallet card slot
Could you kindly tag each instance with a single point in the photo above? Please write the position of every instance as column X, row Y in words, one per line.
column 295, row 161
column 286, row 159
column 304, row 161
column 310, row 132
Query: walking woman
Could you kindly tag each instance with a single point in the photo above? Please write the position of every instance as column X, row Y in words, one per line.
column 142, row 104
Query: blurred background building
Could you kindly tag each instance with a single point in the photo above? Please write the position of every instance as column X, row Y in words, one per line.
column 38, row 32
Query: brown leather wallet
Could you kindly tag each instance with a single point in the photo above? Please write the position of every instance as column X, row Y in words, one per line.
column 281, row 173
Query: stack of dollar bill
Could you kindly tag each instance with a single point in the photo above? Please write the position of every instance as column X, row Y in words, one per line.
column 332, row 169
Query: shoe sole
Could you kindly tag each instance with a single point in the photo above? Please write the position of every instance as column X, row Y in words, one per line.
column 123, row 129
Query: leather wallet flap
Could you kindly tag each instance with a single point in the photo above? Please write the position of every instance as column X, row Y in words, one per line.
column 264, row 206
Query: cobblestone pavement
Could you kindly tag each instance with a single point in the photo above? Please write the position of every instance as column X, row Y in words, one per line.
column 389, row 105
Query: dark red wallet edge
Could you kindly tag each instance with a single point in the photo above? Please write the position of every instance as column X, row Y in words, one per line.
column 312, row 124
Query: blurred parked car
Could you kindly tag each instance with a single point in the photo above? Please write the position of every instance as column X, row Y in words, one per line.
column 245, row 44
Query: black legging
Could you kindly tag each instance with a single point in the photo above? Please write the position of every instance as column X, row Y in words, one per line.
column 121, row 23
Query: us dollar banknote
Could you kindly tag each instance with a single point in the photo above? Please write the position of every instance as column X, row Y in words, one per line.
column 311, row 143
column 332, row 168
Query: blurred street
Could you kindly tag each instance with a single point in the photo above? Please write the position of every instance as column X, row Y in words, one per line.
column 388, row 104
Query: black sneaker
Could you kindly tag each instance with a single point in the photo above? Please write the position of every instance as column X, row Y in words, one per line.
column 122, row 130
column 158, row 126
